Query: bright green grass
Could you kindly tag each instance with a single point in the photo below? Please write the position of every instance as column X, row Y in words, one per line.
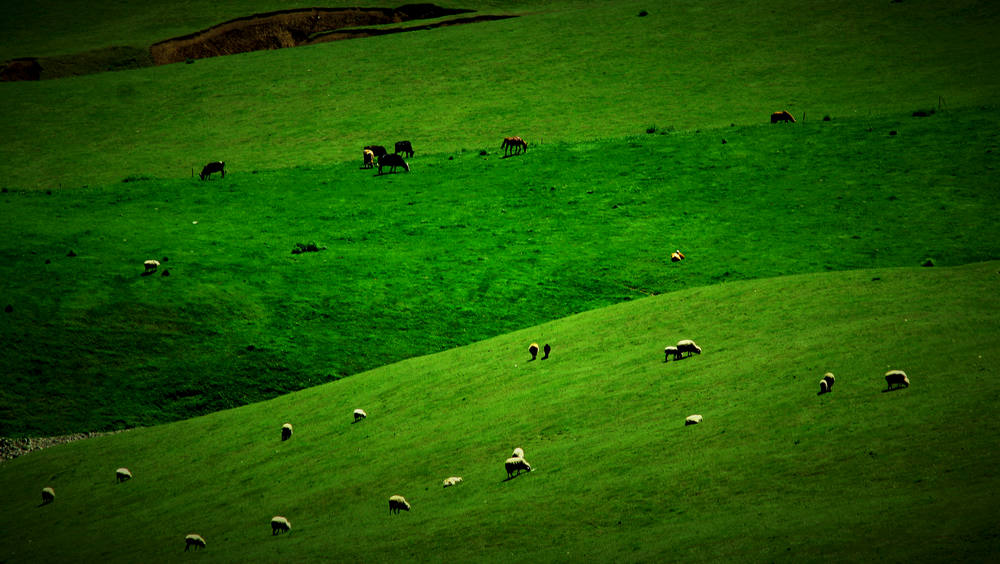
column 561, row 72
column 454, row 252
column 775, row 473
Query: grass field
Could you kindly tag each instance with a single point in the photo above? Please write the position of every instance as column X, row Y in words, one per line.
column 458, row 250
column 775, row 472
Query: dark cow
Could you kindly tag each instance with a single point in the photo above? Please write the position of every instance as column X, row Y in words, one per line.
column 405, row 148
column 392, row 160
column 782, row 116
column 513, row 145
column 218, row 166
column 379, row 150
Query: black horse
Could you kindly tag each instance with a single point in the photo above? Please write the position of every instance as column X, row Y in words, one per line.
column 405, row 148
column 218, row 166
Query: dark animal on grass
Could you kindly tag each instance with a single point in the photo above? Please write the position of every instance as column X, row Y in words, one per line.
column 782, row 116
column 547, row 350
column 368, row 159
column 195, row 541
column 404, row 147
column 217, row 166
column 398, row 503
column 513, row 145
column 379, row 150
column 392, row 160
column 533, row 349
column 896, row 379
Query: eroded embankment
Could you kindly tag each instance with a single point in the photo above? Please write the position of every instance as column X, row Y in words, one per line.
column 272, row 30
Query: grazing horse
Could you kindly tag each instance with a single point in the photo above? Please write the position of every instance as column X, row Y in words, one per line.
column 379, row 150
column 782, row 116
column 392, row 161
column 405, row 148
column 369, row 159
column 218, row 166
column 514, row 145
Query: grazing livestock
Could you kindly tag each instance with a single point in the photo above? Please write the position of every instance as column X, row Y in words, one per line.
column 547, row 349
column 896, row 379
column 193, row 540
column 359, row 414
column 533, row 349
column 676, row 256
column 368, row 159
column 693, row 420
column 516, row 464
column 392, row 161
column 398, row 503
column 280, row 524
column 123, row 474
column 379, row 150
column 218, row 166
column 513, row 145
column 48, row 495
column 454, row 480
column 829, row 379
column 286, row 431
column 405, row 148
column 688, row 346
column 518, row 453
column 782, row 116
column 671, row 351
column 151, row 266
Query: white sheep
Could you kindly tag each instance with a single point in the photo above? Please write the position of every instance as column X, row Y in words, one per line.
column 454, row 480
column 398, row 503
column 677, row 256
column 516, row 464
column 518, row 453
column 533, row 349
column 359, row 414
column 671, row 351
column 896, row 378
column 693, row 420
column 48, row 495
column 826, row 384
column 286, row 431
column 193, row 540
column 151, row 265
column 688, row 346
column 123, row 474
column 280, row 524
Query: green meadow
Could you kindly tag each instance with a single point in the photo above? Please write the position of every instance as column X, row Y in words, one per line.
column 804, row 242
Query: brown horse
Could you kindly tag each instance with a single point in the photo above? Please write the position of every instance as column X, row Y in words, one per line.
column 782, row 116
column 513, row 145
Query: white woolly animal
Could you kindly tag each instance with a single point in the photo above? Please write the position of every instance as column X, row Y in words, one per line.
column 693, row 420
column 398, row 503
column 516, row 464
column 688, row 346
column 533, row 349
column 193, row 540
column 452, row 481
column 896, row 378
column 830, row 379
column 48, row 495
column 359, row 414
column 286, row 431
column 151, row 265
column 671, row 351
column 824, row 386
column 280, row 524
column 518, row 453
column 123, row 474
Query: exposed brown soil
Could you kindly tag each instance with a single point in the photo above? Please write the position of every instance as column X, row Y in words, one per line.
column 273, row 30
column 12, row 448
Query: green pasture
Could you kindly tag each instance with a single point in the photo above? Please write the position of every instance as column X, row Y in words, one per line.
column 463, row 248
column 774, row 473
column 562, row 71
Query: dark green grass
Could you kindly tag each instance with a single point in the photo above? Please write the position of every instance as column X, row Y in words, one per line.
column 775, row 472
column 561, row 72
column 458, row 250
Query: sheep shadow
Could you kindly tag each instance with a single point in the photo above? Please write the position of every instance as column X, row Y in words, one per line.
column 148, row 273
column 821, row 392
column 893, row 389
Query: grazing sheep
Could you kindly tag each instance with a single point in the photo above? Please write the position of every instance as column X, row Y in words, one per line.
column 392, row 160
column 280, row 524
column 122, row 474
column 359, row 414
column 48, row 495
column 828, row 377
column 286, row 431
column 693, row 420
column 824, row 387
column 518, row 453
column 533, row 349
column 398, row 503
column 151, row 265
column 516, row 464
column 688, row 346
column 896, row 378
column 193, row 540
column 547, row 349
column 452, row 481
column 368, row 159
column 782, row 116
column 218, row 166
column 676, row 256
column 671, row 351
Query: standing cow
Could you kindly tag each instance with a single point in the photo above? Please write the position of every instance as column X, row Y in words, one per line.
column 782, row 116
column 379, row 150
column 404, row 147
column 217, row 166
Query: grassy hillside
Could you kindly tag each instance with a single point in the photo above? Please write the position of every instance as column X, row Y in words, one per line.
column 458, row 250
column 561, row 72
column 775, row 472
